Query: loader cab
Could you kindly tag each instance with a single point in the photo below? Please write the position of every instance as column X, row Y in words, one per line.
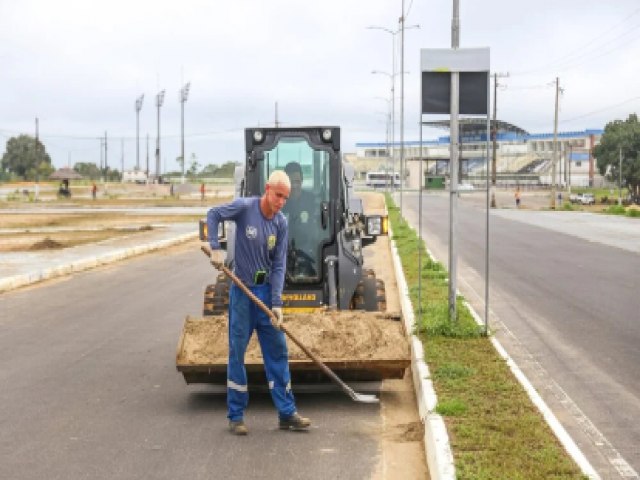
column 310, row 158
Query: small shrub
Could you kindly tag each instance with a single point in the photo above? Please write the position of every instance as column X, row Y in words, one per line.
column 615, row 210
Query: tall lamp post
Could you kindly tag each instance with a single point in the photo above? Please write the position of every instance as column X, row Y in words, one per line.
column 159, row 102
column 393, row 33
column 389, row 178
column 184, row 94
column 391, row 151
column 139, row 101
column 393, row 100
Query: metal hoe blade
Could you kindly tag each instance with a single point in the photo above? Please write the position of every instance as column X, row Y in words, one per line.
column 363, row 398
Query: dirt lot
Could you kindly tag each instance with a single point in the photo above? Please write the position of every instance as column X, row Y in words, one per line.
column 43, row 230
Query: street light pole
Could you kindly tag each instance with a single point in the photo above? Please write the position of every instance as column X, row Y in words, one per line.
column 393, row 96
column 159, row 101
column 139, row 101
column 393, row 74
column 184, row 95
column 453, row 166
column 393, row 127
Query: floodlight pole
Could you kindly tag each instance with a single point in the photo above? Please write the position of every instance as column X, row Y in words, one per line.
column 184, row 95
column 159, row 101
column 139, row 101
column 106, row 164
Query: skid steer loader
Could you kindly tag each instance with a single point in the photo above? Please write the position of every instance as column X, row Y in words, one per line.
column 330, row 298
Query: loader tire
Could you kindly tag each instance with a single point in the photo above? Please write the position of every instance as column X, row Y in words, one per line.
column 381, row 295
column 370, row 295
column 216, row 297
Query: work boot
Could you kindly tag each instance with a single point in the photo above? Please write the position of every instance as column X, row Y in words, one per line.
column 294, row 422
column 238, row 427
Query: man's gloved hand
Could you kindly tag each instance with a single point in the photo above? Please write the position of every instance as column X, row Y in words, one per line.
column 217, row 257
column 279, row 320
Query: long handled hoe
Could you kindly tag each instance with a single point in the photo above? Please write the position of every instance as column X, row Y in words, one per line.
column 358, row 397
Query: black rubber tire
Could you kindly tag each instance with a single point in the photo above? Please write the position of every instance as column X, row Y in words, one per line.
column 370, row 294
column 381, row 295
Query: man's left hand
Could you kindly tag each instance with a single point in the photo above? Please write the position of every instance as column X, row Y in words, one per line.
column 279, row 320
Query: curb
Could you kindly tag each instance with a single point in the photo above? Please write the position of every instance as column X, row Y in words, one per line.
column 16, row 281
column 436, row 440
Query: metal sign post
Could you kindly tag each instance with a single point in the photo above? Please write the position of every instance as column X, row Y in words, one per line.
column 454, row 81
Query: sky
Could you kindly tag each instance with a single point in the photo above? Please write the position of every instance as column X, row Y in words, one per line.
column 79, row 66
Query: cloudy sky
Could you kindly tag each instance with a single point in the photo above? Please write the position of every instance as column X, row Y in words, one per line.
column 78, row 66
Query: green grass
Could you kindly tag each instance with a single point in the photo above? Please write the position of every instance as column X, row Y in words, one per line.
column 622, row 210
column 494, row 429
column 615, row 210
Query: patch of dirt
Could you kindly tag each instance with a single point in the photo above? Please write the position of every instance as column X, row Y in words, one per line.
column 22, row 242
column 46, row 244
column 42, row 218
column 373, row 202
column 333, row 336
column 402, row 436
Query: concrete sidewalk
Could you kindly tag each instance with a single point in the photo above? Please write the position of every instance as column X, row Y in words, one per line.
column 24, row 268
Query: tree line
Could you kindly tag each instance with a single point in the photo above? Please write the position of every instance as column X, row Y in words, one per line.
column 26, row 159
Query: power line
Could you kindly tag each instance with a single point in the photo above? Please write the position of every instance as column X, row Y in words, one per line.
column 566, row 59
column 600, row 110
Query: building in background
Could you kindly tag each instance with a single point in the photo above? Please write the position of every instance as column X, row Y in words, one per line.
column 522, row 158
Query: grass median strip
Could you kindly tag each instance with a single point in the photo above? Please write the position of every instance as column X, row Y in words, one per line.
column 495, row 430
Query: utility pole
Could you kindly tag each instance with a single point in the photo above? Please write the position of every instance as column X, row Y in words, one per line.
column 106, row 163
column 277, row 124
column 620, row 177
column 453, row 167
column 569, row 172
column 147, row 169
column 37, row 135
column 555, row 148
column 122, row 160
column 402, row 166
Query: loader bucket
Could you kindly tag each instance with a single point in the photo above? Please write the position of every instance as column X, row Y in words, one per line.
column 357, row 346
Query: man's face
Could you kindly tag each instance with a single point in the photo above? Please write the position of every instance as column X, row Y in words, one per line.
column 277, row 196
column 296, row 184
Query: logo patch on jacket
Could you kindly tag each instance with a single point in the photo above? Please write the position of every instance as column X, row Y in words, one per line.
column 251, row 232
column 271, row 242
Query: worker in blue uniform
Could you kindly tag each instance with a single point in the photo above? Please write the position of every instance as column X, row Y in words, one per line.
column 259, row 262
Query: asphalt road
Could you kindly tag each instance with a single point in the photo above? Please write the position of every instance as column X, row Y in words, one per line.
column 88, row 389
column 565, row 303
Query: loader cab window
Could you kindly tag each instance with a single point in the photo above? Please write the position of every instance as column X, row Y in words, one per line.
column 308, row 170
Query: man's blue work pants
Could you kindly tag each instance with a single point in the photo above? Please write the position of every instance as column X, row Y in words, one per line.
column 245, row 317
